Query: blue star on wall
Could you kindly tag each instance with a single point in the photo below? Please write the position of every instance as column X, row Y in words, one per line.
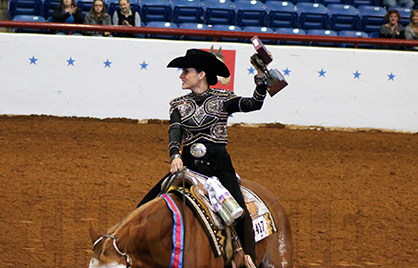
column 391, row 76
column 356, row 75
column 287, row 71
column 144, row 65
column 322, row 73
column 251, row 70
column 71, row 61
column 33, row 60
column 107, row 63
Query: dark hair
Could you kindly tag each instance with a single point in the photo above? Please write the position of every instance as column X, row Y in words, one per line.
column 393, row 11
column 73, row 3
column 211, row 78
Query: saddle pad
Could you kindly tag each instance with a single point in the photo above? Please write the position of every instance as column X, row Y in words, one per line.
column 214, row 233
column 263, row 222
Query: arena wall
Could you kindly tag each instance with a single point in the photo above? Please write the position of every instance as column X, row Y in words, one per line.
column 127, row 78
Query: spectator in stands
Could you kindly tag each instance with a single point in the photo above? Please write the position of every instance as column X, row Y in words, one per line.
column 393, row 29
column 411, row 30
column 67, row 12
column 98, row 16
column 398, row 3
column 127, row 17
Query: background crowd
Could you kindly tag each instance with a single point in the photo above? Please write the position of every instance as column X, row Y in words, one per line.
column 67, row 11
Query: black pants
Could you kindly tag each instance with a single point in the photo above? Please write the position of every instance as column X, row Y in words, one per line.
column 217, row 162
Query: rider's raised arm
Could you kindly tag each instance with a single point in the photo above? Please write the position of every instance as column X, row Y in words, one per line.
column 246, row 104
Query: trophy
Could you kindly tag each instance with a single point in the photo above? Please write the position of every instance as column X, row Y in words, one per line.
column 275, row 80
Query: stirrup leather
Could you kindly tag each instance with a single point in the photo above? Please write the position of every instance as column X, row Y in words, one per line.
column 249, row 262
column 240, row 259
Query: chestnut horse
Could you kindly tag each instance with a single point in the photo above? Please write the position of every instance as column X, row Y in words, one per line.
column 145, row 238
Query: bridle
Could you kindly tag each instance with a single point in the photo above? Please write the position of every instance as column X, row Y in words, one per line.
column 123, row 254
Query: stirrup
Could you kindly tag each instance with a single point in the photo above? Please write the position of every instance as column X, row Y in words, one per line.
column 249, row 262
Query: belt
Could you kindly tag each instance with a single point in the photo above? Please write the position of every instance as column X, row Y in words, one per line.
column 201, row 162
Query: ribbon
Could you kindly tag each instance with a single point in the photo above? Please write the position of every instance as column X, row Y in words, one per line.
column 178, row 233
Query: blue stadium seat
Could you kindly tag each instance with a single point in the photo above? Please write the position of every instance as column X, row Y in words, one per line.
column 281, row 14
column 49, row 7
column 162, row 24
column 219, row 12
column 322, row 32
column 312, row 15
column 371, row 18
column 85, row 5
column 223, row 27
column 290, row 31
column 328, row 2
column 187, row 11
column 227, row 28
column 405, row 13
column 342, row 17
column 113, row 5
column 195, row 26
column 26, row 7
column 308, row 1
column 358, row 3
column 295, row 31
column 351, row 33
column 249, row 13
column 259, row 29
column 29, row 18
column 156, row 10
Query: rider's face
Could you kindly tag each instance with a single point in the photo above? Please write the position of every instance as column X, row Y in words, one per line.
column 190, row 78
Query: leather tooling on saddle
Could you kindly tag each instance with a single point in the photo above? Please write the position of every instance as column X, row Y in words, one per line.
column 263, row 222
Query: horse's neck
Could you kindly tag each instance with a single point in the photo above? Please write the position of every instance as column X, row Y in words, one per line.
column 145, row 231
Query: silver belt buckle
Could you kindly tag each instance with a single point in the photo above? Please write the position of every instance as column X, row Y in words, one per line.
column 198, row 150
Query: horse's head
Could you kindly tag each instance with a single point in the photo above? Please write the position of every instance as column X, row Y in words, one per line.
column 107, row 252
column 143, row 237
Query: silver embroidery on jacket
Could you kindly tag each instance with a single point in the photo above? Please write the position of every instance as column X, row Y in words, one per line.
column 207, row 121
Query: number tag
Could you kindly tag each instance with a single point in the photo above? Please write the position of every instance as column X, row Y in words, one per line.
column 261, row 228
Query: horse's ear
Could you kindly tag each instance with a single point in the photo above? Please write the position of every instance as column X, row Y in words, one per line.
column 93, row 233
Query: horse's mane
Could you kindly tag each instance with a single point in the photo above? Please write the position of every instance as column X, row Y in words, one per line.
column 121, row 229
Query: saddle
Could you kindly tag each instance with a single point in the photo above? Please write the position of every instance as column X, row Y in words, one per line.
column 189, row 185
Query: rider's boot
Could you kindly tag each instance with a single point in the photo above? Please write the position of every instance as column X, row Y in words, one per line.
column 245, row 232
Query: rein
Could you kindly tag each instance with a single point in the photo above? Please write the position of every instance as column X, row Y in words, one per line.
column 123, row 254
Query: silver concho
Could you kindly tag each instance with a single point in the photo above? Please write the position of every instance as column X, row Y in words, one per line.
column 198, row 150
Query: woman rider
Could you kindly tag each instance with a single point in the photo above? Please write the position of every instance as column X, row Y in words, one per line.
column 198, row 123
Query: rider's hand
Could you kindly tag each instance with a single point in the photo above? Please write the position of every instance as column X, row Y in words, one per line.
column 73, row 9
column 176, row 165
column 260, row 73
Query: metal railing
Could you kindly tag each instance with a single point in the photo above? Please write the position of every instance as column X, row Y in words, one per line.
column 215, row 35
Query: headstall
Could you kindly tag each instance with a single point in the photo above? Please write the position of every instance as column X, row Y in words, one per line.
column 123, row 254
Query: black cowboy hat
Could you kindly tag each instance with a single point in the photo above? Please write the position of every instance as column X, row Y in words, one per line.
column 200, row 59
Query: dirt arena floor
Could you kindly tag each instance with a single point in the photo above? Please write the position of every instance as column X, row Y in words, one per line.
column 352, row 197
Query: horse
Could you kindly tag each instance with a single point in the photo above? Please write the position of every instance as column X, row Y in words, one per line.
column 144, row 238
